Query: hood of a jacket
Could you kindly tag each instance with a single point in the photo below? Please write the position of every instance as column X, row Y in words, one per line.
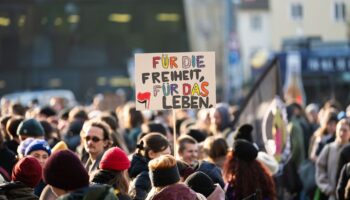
column 138, row 165
column 176, row 192
column 217, row 194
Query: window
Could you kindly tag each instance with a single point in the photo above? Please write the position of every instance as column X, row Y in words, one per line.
column 296, row 11
column 339, row 11
column 255, row 22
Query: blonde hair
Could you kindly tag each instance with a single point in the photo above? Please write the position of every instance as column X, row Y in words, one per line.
column 162, row 162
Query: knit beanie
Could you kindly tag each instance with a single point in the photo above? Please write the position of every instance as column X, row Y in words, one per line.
column 30, row 127
column 61, row 145
column 23, row 145
column 245, row 150
column 114, row 159
column 244, row 132
column 64, row 170
column 28, row 171
column 165, row 176
column 38, row 144
column 201, row 183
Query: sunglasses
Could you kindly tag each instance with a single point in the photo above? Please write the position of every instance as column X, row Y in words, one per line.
column 93, row 138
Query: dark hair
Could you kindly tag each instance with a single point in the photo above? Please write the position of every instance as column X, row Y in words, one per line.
column 154, row 127
column 248, row 177
column 78, row 113
column 110, row 120
column 117, row 179
column 3, row 122
column 48, row 129
column 47, row 111
column 100, row 124
column 153, row 141
column 215, row 147
column 135, row 117
column 18, row 109
column 12, row 125
column 183, row 140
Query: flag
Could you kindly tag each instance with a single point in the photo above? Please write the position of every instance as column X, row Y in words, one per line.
column 257, row 105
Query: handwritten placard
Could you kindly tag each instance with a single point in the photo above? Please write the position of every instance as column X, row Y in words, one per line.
column 175, row 80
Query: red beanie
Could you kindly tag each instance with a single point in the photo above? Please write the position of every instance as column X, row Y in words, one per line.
column 114, row 159
column 28, row 171
column 64, row 170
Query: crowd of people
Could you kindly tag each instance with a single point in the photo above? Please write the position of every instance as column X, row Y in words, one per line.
column 54, row 152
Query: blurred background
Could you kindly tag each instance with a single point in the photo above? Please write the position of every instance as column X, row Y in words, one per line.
column 87, row 47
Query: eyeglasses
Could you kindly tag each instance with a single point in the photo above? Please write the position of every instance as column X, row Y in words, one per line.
column 93, row 138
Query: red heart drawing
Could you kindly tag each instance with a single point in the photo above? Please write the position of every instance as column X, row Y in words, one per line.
column 144, row 97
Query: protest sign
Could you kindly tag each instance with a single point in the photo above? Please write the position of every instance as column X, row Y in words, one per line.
column 175, row 80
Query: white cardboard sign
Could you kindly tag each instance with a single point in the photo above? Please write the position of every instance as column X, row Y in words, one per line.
column 175, row 80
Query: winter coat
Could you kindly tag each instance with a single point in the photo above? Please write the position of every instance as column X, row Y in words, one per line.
column 211, row 170
column 100, row 192
column 92, row 166
column 176, row 191
column 138, row 172
column 16, row 191
column 217, row 194
column 326, row 168
column 7, row 162
column 47, row 194
column 343, row 181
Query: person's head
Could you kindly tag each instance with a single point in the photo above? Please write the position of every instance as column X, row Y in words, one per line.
column 111, row 120
column 244, row 132
column 201, row 183
column 12, row 125
column 28, row 171
column 220, row 116
column 114, row 159
column 46, row 112
column 39, row 149
column 246, row 173
column 215, row 147
column 64, row 172
column 17, row 109
column 153, row 145
column 30, row 128
column 132, row 117
column 343, row 131
column 311, row 112
column 78, row 113
column 3, row 123
column 187, row 149
column 95, row 137
column 196, row 134
column 113, row 166
column 163, row 171
column 331, row 121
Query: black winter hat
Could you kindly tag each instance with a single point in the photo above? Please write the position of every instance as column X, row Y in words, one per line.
column 244, row 132
column 201, row 183
column 244, row 150
column 64, row 170
column 30, row 127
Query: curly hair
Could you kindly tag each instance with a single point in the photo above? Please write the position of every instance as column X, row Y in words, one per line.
column 248, row 177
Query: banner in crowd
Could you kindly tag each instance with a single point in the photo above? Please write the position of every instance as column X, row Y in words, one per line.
column 257, row 103
column 175, row 80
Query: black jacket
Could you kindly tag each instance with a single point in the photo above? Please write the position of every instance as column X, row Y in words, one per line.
column 342, row 181
column 138, row 172
column 211, row 170
column 95, row 192
column 16, row 191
